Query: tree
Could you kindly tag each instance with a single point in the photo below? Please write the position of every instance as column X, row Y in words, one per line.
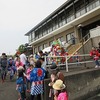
column 21, row 48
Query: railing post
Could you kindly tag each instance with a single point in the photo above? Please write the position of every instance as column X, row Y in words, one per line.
column 45, row 59
column 66, row 64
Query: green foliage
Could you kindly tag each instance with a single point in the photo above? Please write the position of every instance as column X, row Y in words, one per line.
column 21, row 48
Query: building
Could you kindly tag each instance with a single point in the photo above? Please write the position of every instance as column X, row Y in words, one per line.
column 64, row 22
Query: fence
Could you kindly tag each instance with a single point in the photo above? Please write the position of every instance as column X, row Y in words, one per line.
column 69, row 60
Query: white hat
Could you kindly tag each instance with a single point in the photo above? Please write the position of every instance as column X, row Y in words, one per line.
column 58, row 85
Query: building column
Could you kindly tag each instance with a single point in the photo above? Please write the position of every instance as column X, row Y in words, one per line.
column 76, row 33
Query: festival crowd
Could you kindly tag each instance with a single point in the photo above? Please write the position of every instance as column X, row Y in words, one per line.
column 30, row 73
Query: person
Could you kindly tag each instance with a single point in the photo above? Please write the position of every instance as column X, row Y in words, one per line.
column 21, row 85
column 28, row 71
column 95, row 54
column 3, row 64
column 18, row 63
column 41, row 54
column 44, row 66
column 36, row 56
column 32, row 60
column 55, row 74
column 11, row 67
column 77, row 58
column 62, row 93
column 53, row 78
column 63, row 53
column 99, row 48
column 23, row 59
column 36, row 77
column 55, row 70
column 73, row 39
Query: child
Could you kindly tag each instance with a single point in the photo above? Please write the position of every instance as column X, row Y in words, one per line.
column 60, row 87
column 18, row 62
column 56, row 74
column 28, row 71
column 51, row 92
column 21, row 86
column 95, row 54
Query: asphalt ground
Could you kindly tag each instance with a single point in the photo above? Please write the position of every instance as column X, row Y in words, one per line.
column 8, row 90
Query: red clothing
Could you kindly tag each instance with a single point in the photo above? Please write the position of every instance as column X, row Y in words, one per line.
column 95, row 54
column 18, row 64
column 63, row 96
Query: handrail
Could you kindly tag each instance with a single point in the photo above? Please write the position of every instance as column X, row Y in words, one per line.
column 66, row 61
column 87, row 35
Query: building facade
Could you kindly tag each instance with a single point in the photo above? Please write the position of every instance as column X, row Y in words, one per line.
column 63, row 23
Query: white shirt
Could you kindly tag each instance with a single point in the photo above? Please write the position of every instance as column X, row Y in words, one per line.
column 44, row 66
column 23, row 58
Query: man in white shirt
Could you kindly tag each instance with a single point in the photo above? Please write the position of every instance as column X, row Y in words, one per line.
column 23, row 59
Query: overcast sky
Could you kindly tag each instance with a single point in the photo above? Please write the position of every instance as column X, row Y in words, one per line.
column 17, row 17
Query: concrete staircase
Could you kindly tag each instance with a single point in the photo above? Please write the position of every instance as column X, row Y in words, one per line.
column 73, row 48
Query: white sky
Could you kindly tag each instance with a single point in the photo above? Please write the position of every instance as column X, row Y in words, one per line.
column 17, row 17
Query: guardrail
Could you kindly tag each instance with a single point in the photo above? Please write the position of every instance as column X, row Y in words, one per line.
column 84, row 59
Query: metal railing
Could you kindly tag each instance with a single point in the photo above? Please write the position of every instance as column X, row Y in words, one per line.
column 67, row 63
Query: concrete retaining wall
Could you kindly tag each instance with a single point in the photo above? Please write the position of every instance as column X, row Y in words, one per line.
column 80, row 85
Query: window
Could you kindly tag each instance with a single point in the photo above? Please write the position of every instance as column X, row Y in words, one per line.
column 97, row 3
column 44, row 31
column 80, row 8
column 30, row 37
column 92, row 4
column 70, row 14
column 35, row 50
column 45, row 45
column 40, row 47
column 61, row 38
column 49, row 27
column 36, row 35
column 40, row 34
column 50, row 43
column 68, row 38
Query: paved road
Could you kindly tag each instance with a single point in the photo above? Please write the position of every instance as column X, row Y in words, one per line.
column 97, row 97
column 8, row 90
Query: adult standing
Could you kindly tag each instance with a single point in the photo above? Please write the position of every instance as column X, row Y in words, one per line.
column 3, row 64
column 23, row 59
column 36, row 77
column 44, row 66
column 73, row 39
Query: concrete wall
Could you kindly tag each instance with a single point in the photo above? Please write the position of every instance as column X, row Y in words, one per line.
column 80, row 85
column 96, row 40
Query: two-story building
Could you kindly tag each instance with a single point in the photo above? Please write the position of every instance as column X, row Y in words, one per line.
column 64, row 21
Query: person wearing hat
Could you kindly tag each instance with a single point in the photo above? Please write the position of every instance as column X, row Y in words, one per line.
column 55, row 74
column 60, row 87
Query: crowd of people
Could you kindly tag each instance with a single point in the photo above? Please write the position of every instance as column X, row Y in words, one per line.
column 30, row 73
